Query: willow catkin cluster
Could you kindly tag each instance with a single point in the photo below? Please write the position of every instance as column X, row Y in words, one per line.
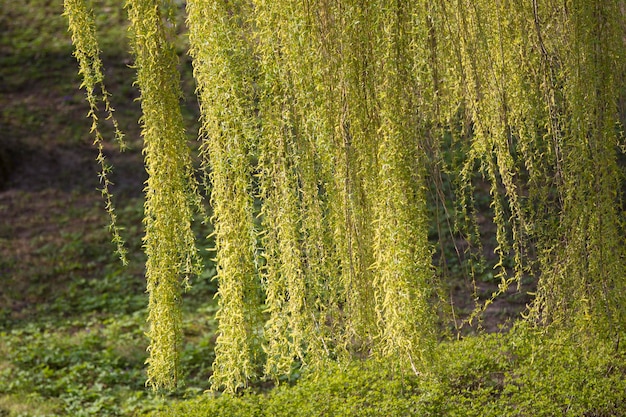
column 170, row 189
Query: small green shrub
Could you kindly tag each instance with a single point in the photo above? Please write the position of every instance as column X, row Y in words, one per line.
column 225, row 405
column 518, row 374
column 565, row 375
column 358, row 389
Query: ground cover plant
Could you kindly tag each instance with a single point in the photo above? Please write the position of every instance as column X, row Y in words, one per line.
column 488, row 375
column 389, row 186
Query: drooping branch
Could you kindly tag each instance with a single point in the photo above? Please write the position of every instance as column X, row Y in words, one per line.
column 81, row 23
column 171, row 192
column 226, row 74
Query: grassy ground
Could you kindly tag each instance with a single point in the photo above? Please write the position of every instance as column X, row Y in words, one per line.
column 72, row 318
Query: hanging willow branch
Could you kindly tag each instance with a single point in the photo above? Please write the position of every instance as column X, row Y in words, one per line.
column 403, row 257
column 584, row 269
column 225, row 73
column 83, row 28
column 170, row 190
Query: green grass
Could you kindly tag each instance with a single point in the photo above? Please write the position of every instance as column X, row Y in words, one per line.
column 72, row 318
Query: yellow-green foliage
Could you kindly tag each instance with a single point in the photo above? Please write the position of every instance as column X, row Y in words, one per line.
column 170, row 189
column 281, row 181
column 225, row 73
column 482, row 376
column 542, row 81
column 82, row 26
column 324, row 123
column 584, row 260
column 403, row 273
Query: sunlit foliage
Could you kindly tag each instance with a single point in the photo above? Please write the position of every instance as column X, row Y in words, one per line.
column 170, row 190
column 325, row 122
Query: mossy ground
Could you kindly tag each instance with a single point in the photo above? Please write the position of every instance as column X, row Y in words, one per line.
column 72, row 318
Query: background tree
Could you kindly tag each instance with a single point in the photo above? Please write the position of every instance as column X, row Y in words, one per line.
column 324, row 124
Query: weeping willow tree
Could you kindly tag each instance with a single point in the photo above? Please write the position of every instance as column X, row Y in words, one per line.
column 324, row 124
